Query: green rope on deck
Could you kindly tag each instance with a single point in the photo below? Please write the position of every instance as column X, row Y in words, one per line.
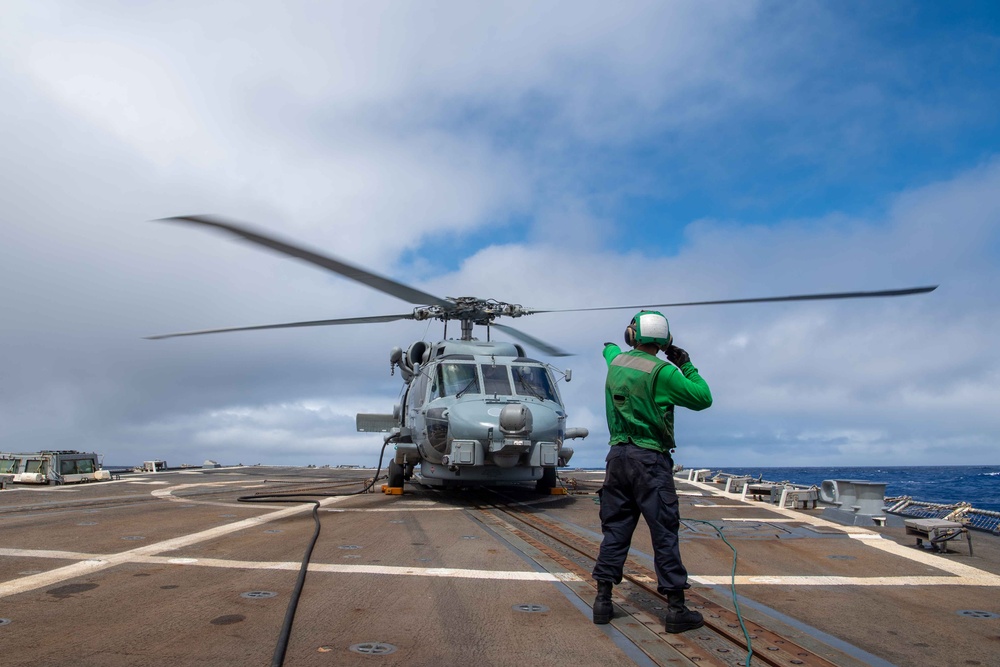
column 732, row 587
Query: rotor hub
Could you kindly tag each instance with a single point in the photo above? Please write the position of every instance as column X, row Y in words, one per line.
column 470, row 309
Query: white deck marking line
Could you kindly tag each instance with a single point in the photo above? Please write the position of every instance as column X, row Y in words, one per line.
column 395, row 508
column 51, row 577
column 433, row 506
column 398, row 570
column 95, row 560
column 46, row 553
column 168, row 494
column 873, row 539
column 958, row 569
column 744, row 519
column 44, row 489
column 832, row 580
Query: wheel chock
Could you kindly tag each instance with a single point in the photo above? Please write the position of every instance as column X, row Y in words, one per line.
column 392, row 490
column 557, row 491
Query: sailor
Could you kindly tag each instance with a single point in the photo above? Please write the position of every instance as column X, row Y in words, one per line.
column 641, row 392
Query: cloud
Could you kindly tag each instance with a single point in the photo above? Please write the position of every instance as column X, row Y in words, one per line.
column 646, row 154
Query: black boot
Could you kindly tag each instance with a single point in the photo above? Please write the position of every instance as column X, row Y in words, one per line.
column 602, row 603
column 679, row 618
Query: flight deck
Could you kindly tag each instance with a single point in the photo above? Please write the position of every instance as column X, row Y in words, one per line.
column 168, row 568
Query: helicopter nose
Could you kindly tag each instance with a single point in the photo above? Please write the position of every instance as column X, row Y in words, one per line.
column 473, row 421
column 505, row 434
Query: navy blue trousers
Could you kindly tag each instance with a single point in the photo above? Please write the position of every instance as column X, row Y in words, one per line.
column 640, row 482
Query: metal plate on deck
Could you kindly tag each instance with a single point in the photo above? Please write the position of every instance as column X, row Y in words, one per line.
column 741, row 529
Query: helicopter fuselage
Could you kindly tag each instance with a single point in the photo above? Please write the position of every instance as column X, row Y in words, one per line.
column 476, row 412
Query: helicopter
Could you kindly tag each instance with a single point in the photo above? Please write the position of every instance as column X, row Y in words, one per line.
column 472, row 412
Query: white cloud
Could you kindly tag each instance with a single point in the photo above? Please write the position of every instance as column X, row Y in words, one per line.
column 366, row 130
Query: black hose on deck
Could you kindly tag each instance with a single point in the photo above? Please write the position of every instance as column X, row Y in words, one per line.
column 278, row 659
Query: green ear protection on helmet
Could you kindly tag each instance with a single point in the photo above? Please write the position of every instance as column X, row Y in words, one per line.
column 649, row 326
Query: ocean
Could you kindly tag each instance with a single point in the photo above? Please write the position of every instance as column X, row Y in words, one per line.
column 976, row 485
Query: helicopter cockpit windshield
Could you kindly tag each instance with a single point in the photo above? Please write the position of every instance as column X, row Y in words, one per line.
column 455, row 379
column 533, row 381
column 460, row 379
column 496, row 380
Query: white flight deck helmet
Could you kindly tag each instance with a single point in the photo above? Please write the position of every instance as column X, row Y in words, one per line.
column 649, row 326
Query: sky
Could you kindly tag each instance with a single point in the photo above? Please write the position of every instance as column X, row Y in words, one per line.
column 551, row 154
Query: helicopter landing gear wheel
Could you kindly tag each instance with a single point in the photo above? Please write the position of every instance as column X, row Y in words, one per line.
column 395, row 475
column 548, row 480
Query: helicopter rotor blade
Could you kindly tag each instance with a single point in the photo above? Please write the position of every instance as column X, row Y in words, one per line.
column 290, row 325
column 768, row 299
column 550, row 350
column 356, row 273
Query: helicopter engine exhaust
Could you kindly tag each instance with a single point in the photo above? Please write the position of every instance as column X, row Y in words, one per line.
column 415, row 355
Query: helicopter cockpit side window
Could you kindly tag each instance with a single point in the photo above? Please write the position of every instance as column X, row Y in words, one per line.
column 454, row 379
column 419, row 389
column 533, row 381
column 495, row 379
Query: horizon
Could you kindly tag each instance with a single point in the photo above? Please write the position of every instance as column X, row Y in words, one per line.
column 558, row 155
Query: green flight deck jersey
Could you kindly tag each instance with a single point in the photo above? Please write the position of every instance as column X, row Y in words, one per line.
column 640, row 395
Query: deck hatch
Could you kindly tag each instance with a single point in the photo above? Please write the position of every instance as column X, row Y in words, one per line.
column 258, row 595
column 373, row 648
